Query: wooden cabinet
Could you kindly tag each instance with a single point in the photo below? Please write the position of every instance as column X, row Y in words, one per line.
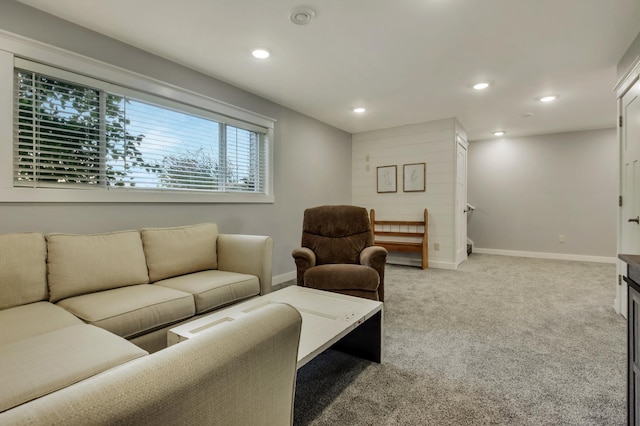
column 633, row 338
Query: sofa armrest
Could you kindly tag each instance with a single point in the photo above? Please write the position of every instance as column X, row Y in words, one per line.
column 305, row 258
column 239, row 373
column 247, row 254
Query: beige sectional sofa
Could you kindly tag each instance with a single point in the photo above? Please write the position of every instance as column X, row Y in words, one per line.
column 81, row 313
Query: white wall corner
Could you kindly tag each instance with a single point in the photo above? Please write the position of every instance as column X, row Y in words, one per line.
column 282, row 280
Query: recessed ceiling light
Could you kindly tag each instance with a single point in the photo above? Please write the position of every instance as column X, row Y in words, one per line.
column 481, row 86
column 499, row 133
column 549, row 98
column 302, row 15
column 359, row 110
column 261, row 53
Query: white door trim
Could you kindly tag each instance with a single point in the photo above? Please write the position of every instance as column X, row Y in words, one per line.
column 460, row 202
column 630, row 80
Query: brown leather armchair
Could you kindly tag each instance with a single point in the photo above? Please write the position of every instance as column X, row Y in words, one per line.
column 338, row 254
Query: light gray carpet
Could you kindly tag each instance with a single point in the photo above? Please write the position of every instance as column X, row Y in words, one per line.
column 501, row 341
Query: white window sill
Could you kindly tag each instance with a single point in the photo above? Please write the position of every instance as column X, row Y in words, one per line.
column 42, row 195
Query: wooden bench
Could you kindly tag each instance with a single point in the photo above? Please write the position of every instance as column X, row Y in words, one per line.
column 410, row 230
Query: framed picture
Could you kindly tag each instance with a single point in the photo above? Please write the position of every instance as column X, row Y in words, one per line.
column 414, row 177
column 387, row 179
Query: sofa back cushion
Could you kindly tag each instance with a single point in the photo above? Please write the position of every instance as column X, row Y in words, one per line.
column 180, row 250
column 81, row 264
column 23, row 269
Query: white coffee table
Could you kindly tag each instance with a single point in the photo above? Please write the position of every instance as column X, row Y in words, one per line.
column 352, row 324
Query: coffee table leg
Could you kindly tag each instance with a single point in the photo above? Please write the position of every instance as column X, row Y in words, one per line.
column 365, row 341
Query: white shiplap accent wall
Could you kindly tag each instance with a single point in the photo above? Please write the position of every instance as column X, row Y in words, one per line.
column 432, row 143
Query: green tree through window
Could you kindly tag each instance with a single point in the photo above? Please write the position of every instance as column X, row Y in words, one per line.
column 59, row 134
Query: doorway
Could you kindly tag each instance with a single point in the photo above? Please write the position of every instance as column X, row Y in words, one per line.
column 629, row 238
column 461, row 199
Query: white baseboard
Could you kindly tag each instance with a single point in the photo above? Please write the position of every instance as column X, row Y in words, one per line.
column 542, row 255
column 413, row 262
column 278, row 280
column 442, row 265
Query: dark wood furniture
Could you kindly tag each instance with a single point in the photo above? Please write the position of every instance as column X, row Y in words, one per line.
column 416, row 231
column 633, row 337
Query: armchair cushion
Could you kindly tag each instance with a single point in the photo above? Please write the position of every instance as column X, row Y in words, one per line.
column 342, row 277
column 336, row 234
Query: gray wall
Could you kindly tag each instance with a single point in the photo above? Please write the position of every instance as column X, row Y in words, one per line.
column 629, row 58
column 529, row 190
column 312, row 160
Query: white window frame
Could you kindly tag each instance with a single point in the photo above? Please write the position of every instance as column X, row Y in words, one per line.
column 13, row 47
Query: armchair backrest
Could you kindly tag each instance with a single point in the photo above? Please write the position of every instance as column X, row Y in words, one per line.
column 336, row 234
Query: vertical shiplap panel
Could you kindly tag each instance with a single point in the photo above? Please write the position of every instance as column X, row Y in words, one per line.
column 432, row 143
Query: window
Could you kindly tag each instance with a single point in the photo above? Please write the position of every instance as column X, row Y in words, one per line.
column 73, row 135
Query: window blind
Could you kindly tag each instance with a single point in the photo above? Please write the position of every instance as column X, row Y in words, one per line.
column 74, row 135
column 57, row 126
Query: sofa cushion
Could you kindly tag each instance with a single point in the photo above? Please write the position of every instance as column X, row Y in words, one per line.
column 42, row 364
column 21, row 322
column 23, row 269
column 212, row 289
column 181, row 250
column 81, row 264
column 131, row 311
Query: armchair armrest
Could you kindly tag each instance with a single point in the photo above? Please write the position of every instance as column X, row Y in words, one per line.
column 305, row 258
column 376, row 258
column 247, row 254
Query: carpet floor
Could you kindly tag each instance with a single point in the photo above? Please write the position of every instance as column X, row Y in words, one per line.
column 501, row 341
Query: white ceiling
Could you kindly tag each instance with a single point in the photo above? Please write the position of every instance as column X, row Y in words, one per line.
column 406, row 61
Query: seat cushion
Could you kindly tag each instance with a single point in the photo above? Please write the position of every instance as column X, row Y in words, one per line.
column 342, row 277
column 131, row 311
column 30, row 320
column 212, row 289
column 181, row 250
column 81, row 264
column 42, row 364
column 23, row 269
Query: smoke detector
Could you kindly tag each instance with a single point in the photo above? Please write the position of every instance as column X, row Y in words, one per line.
column 302, row 15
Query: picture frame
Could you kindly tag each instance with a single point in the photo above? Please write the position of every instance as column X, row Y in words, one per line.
column 387, row 179
column 414, row 177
